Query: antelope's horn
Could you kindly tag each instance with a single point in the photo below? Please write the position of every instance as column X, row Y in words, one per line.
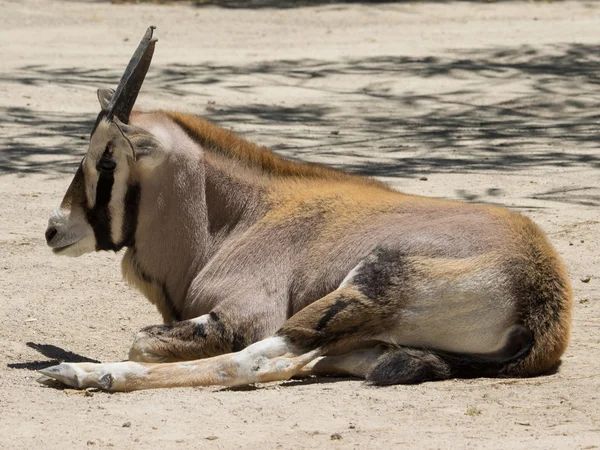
column 131, row 82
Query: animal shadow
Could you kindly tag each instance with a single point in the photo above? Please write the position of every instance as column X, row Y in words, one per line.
column 56, row 354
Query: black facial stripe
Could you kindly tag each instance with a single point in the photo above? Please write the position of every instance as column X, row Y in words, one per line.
column 132, row 206
column 99, row 216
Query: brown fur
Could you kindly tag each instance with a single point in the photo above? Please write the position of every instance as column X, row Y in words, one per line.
column 541, row 281
column 362, row 200
column 263, row 244
column 216, row 139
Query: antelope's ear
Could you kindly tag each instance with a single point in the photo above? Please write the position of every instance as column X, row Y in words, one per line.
column 145, row 147
column 104, row 97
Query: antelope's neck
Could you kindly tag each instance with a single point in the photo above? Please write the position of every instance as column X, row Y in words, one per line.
column 186, row 213
column 234, row 198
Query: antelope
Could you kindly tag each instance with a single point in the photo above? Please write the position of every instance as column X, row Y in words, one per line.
column 264, row 268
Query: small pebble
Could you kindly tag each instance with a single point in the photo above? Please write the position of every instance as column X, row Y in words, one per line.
column 335, row 132
column 126, row 425
column 586, row 279
column 211, row 438
column 336, row 437
column 423, row 178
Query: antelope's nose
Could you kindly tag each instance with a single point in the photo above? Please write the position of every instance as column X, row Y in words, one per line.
column 50, row 233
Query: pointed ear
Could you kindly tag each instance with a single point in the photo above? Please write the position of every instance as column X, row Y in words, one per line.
column 104, row 97
column 146, row 148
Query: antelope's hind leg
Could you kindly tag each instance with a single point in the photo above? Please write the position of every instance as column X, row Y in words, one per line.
column 355, row 363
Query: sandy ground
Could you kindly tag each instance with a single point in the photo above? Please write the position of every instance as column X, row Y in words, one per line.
column 496, row 102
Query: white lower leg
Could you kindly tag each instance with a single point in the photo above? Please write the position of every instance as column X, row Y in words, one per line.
column 272, row 359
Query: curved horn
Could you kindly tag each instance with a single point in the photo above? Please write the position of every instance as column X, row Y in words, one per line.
column 131, row 82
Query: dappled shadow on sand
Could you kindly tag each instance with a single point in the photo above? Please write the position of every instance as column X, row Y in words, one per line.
column 505, row 109
column 41, row 141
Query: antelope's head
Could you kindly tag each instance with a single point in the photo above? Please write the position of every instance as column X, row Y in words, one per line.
column 99, row 210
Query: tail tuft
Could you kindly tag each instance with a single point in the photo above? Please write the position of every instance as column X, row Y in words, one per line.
column 408, row 366
column 411, row 365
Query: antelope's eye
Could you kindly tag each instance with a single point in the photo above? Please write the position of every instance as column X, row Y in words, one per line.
column 106, row 164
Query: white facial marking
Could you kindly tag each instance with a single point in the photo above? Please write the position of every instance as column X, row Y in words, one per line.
column 74, row 236
column 85, row 245
column 91, row 181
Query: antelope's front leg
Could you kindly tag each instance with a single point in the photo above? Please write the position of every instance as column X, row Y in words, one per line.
column 272, row 359
column 205, row 336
